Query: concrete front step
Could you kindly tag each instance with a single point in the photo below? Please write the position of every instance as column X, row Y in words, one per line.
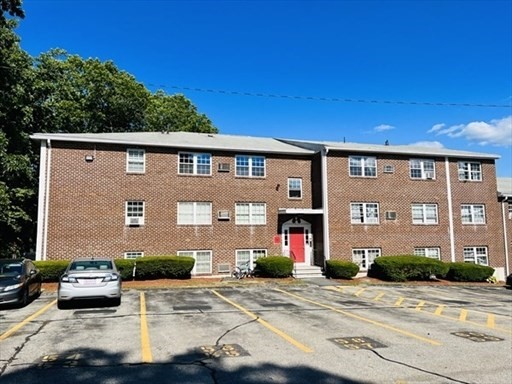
column 307, row 271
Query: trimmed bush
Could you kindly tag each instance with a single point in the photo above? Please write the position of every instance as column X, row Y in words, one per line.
column 274, row 266
column 339, row 269
column 407, row 267
column 51, row 270
column 469, row 272
column 125, row 267
column 164, row 267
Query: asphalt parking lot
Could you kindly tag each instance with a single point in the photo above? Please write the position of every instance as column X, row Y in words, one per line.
column 265, row 334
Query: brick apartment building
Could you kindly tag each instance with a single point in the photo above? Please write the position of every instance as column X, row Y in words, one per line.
column 227, row 200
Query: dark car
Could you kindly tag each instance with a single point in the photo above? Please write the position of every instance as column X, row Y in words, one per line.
column 20, row 281
column 509, row 281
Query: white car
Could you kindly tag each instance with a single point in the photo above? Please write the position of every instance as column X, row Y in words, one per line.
column 88, row 279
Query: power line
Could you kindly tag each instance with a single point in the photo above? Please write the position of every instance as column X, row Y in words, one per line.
column 332, row 99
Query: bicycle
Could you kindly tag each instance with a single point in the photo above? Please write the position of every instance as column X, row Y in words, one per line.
column 243, row 271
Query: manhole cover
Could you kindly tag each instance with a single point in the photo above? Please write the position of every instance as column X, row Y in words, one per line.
column 59, row 360
column 358, row 342
column 476, row 336
column 225, row 350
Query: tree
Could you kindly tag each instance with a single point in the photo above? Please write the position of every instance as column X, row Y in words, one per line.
column 12, row 7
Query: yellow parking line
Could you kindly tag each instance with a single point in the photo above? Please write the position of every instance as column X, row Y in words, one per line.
column 378, row 297
column 278, row 332
column 463, row 315
column 26, row 321
column 491, row 322
column 147, row 357
column 420, row 305
column 439, row 309
column 379, row 324
column 359, row 292
column 399, row 301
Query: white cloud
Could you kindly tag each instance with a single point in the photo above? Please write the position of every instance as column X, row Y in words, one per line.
column 383, row 127
column 428, row 144
column 497, row 132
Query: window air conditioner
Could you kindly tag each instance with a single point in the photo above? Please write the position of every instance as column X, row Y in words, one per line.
column 223, row 215
column 429, row 175
column 390, row 215
column 134, row 221
column 223, row 167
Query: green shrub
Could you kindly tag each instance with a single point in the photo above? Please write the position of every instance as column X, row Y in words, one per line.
column 125, row 268
column 469, row 272
column 274, row 266
column 164, row 267
column 339, row 269
column 51, row 270
column 407, row 267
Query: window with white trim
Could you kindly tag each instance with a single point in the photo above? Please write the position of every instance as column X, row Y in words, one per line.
column 510, row 211
column 364, row 257
column 422, row 169
column 425, row 214
column 364, row 213
column 194, row 213
column 470, row 171
column 432, row 252
column 194, row 164
column 251, row 213
column 476, row 255
column 472, row 213
column 250, row 166
column 203, row 260
column 134, row 213
column 294, row 188
column 133, row 254
column 135, row 160
column 363, row 166
column 244, row 257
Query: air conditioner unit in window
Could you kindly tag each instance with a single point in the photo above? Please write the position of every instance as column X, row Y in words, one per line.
column 223, row 167
column 224, row 268
column 390, row 215
column 134, row 221
column 223, row 215
column 429, row 175
column 389, row 169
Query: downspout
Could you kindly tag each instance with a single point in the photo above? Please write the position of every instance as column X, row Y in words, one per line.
column 41, row 201
column 450, row 209
column 505, row 239
column 47, row 198
column 325, row 205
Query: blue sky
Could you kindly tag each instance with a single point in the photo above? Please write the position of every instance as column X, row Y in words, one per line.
column 400, row 51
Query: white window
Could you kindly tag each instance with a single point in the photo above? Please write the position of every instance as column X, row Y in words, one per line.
column 250, row 166
column 133, row 254
column 135, row 160
column 194, row 213
column 194, row 164
column 364, row 213
column 473, row 214
column 510, row 211
column 422, row 169
column 294, row 188
column 424, row 214
column 203, row 260
column 433, row 252
column 470, row 171
column 247, row 257
column 365, row 257
column 363, row 166
column 477, row 255
column 251, row 213
column 134, row 213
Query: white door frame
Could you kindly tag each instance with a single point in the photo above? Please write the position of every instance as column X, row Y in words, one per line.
column 308, row 239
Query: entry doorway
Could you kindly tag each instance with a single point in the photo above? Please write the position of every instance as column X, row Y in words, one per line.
column 298, row 241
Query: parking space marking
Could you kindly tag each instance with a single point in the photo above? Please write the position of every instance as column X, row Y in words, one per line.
column 27, row 320
column 365, row 319
column 270, row 327
column 147, row 357
column 491, row 320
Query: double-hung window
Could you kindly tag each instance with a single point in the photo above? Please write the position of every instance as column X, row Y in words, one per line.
column 424, row 214
column 203, row 260
column 195, row 164
column 364, row 257
column 250, row 166
column 364, row 213
column 251, row 214
column 133, row 254
column 247, row 257
column 422, row 169
column 432, row 252
column 363, row 166
column 194, row 213
column 470, row 171
column 294, row 188
column 135, row 160
column 473, row 214
column 134, row 213
column 477, row 255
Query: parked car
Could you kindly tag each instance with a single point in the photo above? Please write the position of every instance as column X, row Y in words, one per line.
column 20, row 281
column 89, row 278
column 509, row 281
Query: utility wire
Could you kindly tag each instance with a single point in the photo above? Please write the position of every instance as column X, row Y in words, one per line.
column 332, row 99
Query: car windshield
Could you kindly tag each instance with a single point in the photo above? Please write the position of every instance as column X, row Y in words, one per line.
column 8, row 268
column 90, row 265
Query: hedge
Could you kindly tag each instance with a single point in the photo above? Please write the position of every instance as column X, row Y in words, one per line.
column 407, row 267
column 469, row 272
column 274, row 266
column 51, row 270
column 339, row 269
column 164, row 267
column 125, row 268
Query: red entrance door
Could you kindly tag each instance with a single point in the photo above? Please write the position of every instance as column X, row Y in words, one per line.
column 297, row 244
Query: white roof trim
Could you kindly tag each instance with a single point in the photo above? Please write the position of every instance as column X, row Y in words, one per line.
column 300, row 211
